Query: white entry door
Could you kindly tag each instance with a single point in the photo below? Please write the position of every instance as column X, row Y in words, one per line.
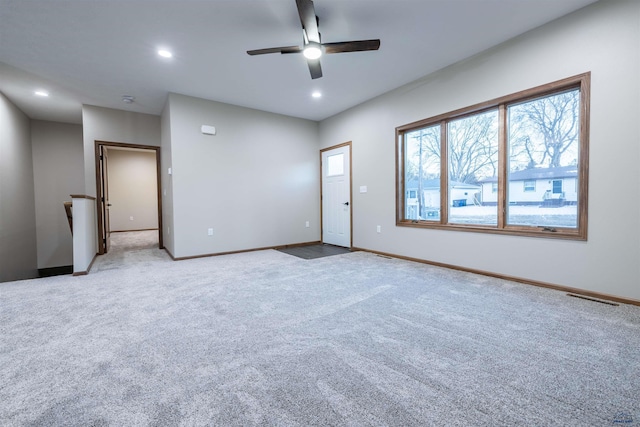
column 336, row 195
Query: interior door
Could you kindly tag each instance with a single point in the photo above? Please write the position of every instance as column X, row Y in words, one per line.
column 336, row 195
column 105, row 232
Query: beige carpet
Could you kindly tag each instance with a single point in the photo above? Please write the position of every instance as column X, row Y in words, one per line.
column 268, row 339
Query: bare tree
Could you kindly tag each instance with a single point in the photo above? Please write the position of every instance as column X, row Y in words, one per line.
column 472, row 152
column 424, row 160
column 473, row 147
column 545, row 131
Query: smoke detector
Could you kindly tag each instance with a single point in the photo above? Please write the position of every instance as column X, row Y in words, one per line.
column 128, row 99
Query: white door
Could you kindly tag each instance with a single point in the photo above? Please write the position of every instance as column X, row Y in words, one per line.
column 336, row 196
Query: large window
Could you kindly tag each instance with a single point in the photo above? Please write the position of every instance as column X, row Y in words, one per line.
column 515, row 165
column 422, row 177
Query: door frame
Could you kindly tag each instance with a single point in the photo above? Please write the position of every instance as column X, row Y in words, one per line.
column 104, row 232
column 349, row 145
column 100, row 222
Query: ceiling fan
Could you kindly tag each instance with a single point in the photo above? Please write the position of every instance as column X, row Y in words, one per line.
column 312, row 47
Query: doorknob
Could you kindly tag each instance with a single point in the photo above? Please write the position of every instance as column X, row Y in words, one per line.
column 346, row 203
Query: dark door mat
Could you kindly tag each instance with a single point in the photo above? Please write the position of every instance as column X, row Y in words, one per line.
column 315, row 251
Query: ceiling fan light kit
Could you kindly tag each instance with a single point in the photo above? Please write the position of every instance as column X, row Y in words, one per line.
column 312, row 48
column 312, row 51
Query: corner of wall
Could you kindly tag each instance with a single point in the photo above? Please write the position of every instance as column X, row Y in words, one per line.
column 166, row 179
column 18, row 247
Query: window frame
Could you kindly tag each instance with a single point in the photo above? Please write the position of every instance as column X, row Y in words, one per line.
column 581, row 82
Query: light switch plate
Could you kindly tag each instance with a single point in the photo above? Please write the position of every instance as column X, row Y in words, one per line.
column 208, row 130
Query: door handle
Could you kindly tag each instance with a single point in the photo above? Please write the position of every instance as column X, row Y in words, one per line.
column 346, row 203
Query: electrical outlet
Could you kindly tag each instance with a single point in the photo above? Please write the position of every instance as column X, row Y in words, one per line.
column 210, row 232
column 379, row 229
column 130, row 218
column 306, row 224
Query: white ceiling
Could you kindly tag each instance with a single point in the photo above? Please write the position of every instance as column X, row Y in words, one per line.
column 95, row 51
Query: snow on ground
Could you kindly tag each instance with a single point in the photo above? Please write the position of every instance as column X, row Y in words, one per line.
column 536, row 216
column 513, row 210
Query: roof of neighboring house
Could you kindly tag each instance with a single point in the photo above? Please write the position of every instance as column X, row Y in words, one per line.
column 434, row 184
column 539, row 173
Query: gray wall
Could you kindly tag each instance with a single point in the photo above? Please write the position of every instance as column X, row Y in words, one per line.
column 166, row 182
column 255, row 183
column 133, row 190
column 105, row 124
column 18, row 255
column 58, row 173
column 603, row 38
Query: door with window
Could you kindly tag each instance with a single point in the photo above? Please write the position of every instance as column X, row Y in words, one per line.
column 336, row 195
column 557, row 189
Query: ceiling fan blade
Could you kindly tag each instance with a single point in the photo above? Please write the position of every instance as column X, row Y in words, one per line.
column 291, row 49
column 314, row 68
column 311, row 36
column 308, row 19
column 285, row 49
column 353, row 46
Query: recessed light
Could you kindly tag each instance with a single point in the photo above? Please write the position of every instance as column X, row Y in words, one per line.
column 43, row 93
column 316, row 94
column 165, row 53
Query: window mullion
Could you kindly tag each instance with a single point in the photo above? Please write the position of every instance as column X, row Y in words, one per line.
column 502, row 165
column 444, row 174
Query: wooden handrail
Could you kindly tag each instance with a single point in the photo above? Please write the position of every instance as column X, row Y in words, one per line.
column 67, row 209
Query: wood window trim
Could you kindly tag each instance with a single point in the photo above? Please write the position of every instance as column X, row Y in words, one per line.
column 581, row 82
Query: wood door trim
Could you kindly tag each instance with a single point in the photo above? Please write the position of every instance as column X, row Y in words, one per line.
column 100, row 224
column 101, row 244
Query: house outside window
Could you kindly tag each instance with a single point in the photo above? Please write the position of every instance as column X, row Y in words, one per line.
column 502, row 166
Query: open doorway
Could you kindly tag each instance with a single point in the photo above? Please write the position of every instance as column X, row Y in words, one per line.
column 134, row 210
